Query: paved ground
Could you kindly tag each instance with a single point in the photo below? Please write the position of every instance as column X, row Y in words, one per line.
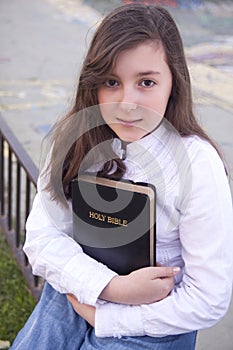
column 43, row 42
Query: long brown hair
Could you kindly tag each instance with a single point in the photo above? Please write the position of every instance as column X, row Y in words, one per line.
column 125, row 27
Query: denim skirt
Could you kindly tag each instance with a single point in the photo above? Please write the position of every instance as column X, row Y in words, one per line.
column 53, row 325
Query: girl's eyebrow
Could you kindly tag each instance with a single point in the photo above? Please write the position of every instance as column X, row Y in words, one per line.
column 140, row 74
column 150, row 72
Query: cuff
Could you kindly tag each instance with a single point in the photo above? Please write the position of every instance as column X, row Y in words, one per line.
column 86, row 286
column 117, row 320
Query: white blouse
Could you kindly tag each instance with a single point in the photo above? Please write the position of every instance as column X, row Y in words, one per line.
column 194, row 231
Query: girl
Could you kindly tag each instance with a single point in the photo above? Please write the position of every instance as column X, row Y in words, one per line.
column 132, row 118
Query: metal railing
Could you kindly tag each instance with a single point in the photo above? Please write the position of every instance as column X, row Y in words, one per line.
column 18, row 177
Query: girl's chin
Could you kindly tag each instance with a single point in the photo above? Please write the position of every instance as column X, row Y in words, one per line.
column 131, row 135
column 130, row 138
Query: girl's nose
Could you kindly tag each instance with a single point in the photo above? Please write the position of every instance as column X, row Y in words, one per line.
column 128, row 100
column 128, row 107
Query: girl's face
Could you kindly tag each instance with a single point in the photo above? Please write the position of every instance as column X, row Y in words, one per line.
column 134, row 97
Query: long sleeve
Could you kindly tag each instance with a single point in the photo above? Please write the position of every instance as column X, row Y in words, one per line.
column 206, row 236
column 55, row 256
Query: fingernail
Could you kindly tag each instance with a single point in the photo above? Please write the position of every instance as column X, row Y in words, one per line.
column 176, row 269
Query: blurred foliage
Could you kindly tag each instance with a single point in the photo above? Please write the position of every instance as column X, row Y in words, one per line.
column 16, row 301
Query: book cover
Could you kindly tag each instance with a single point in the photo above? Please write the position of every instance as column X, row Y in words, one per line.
column 114, row 221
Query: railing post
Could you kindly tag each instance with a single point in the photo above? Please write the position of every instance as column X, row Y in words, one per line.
column 18, row 204
column 9, row 190
column 2, row 170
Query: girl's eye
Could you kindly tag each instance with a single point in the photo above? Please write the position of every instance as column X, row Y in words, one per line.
column 111, row 83
column 147, row 83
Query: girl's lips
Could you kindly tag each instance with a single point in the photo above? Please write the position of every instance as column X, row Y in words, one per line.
column 128, row 122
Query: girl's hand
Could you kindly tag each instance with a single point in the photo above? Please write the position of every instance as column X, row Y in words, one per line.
column 143, row 286
column 87, row 312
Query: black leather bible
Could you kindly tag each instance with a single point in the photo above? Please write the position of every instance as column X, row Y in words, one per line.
column 114, row 221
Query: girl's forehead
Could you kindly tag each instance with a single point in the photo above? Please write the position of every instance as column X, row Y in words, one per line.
column 155, row 44
column 143, row 53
